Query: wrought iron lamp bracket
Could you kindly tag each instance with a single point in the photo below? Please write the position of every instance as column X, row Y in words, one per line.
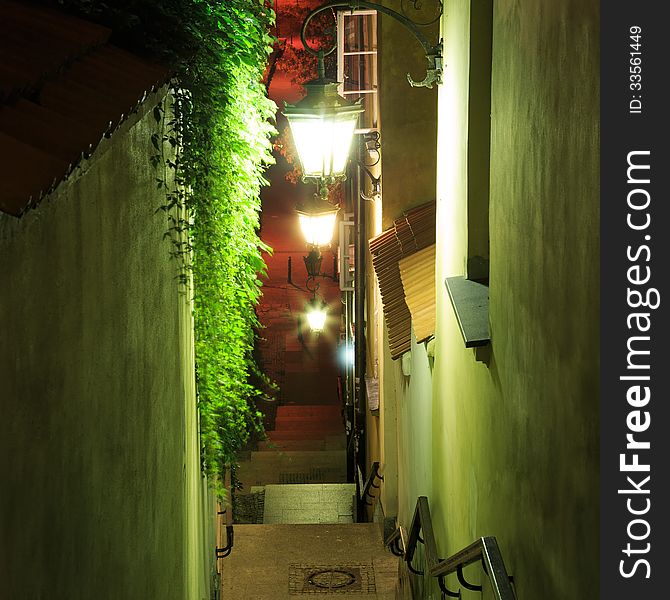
column 312, row 285
column 375, row 181
column 433, row 51
column 372, row 144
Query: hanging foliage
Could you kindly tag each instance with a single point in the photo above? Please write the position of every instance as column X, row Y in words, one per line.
column 218, row 52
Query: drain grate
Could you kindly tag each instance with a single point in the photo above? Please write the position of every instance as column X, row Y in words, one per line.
column 331, row 579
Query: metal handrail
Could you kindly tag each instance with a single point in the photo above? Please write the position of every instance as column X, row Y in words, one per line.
column 222, row 552
column 484, row 549
column 366, row 492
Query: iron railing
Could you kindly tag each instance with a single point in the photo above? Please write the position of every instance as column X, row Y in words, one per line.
column 484, row 549
column 366, row 493
column 227, row 513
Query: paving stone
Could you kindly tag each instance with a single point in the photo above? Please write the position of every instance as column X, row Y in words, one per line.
column 309, row 503
column 273, row 562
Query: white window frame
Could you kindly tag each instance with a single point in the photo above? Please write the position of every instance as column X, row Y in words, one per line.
column 373, row 119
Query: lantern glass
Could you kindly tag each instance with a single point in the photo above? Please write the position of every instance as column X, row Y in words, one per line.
column 318, row 229
column 316, row 317
column 323, row 125
column 323, row 143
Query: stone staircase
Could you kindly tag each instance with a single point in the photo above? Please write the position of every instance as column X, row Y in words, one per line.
column 307, row 445
column 307, row 542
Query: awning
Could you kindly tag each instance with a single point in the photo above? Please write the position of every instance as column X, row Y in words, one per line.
column 409, row 236
column 418, row 280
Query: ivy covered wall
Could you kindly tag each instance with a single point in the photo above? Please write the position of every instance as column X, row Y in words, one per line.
column 223, row 121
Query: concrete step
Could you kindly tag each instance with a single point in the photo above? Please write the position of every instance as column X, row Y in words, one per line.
column 309, row 410
column 280, row 471
column 300, row 456
column 316, row 415
column 299, row 434
column 309, row 503
column 313, row 416
column 328, row 443
column 308, row 425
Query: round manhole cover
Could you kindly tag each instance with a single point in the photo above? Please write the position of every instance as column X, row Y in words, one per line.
column 331, row 579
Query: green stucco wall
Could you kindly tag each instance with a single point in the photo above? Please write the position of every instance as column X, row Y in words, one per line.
column 102, row 494
column 515, row 443
column 415, row 459
column 407, row 116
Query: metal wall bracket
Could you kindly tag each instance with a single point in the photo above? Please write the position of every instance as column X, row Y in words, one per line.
column 433, row 52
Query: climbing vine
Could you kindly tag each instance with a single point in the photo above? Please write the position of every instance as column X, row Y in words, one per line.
column 220, row 140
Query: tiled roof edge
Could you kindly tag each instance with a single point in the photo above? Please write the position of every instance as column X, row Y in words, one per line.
column 89, row 154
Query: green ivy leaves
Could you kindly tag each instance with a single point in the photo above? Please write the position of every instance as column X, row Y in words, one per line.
column 210, row 159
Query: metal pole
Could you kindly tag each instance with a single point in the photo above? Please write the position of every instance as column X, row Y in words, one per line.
column 350, row 392
column 359, row 286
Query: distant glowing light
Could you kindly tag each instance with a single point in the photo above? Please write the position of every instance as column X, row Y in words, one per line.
column 316, row 315
column 346, row 355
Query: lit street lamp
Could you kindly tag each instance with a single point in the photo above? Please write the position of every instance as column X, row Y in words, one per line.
column 316, row 314
column 323, row 122
column 316, row 308
column 323, row 125
column 317, row 220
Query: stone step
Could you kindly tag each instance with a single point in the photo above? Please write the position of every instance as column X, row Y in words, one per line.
column 324, row 455
column 309, row 503
column 328, row 443
column 299, row 434
column 309, row 410
column 300, row 456
column 313, row 416
column 279, row 471
column 308, row 425
column 293, row 445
